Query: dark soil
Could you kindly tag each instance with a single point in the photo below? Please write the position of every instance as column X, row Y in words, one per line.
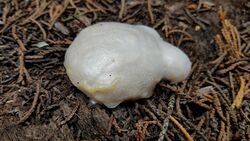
column 38, row 102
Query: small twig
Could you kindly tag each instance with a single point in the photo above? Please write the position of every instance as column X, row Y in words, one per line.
column 99, row 7
column 40, row 7
column 59, row 42
column 221, row 91
column 245, row 116
column 179, row 31
column 60, row 12
column 41, row 28
column 12, row 20
column 20, row 43
column 217, row 106
column 48, row 108
column 239, row 97
column 217, row 62
column 119, row 129
column 5, row 11
column 71, row 115
column 22, row 70
column 231, row 67
column 132, row 15
column 231, row 36
column 150, row 113
column 222, row 135
column 228, row 127
column 93, row 11
column 222, row 81
column 1, row 82
column 177, row 105
column 150, row 12
column 228, row 110
column 183, row 130
column 201, row 122
column 159, row 23
column 74, row 6
column 33, row 57
column 121, row 13
column 166, row 120
column 21, row 66
column 203, row 105
column 110, row 124
column 33, row 106
column 231, row 80
column 52, row 50
column 141, row 129
column 244, row 69
column 154, row 109
column 194, row 19
column 182, row 39
column 181, row 116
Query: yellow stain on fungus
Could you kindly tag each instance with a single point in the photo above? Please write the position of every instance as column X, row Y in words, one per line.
column 68, row 70
column 102, row 88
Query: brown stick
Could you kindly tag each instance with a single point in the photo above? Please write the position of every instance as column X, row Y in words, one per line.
column 65, row 4
column 41, row 28
column 183, row 130
column 70, row 116
column 121, row 13
column 150, row 12
column 20, row 43
column 33, row 106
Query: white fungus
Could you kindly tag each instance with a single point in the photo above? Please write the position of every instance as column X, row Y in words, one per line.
column 114, row 62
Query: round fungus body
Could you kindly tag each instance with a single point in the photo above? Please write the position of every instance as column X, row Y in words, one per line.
column 114, row 62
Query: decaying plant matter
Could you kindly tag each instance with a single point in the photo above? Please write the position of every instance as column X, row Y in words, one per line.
column 38, row 102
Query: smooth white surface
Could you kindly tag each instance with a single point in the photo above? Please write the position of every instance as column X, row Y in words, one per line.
column 113, row 62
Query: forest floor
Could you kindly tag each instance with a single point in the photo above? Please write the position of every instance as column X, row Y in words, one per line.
column 38, row 101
